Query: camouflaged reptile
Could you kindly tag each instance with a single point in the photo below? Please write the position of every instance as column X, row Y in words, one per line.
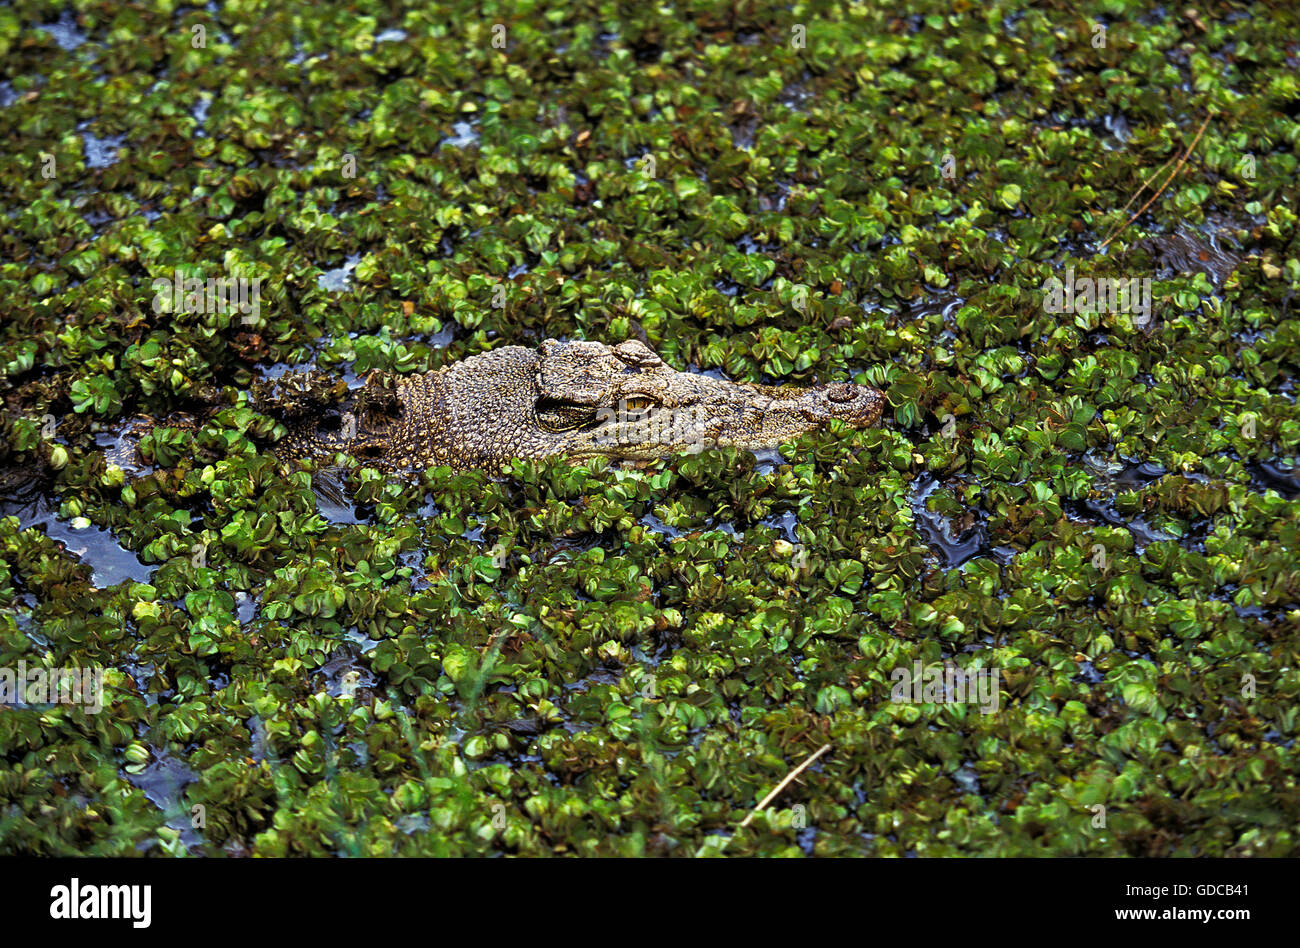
column 576, row 399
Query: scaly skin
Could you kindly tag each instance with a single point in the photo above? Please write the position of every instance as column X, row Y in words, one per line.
column 576, row 399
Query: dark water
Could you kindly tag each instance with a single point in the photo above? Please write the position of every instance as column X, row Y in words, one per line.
column 90, row 544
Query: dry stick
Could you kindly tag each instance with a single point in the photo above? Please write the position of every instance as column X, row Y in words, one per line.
column 1129, row 203
column 1179, row 167
column 783, row 784
column 1155, row 174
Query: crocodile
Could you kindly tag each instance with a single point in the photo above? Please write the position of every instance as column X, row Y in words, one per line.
column 575, row 399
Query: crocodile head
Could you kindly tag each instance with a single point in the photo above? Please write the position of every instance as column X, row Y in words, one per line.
column 623, row 401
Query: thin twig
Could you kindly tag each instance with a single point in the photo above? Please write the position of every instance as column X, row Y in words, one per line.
column 1155, row 174
column 783, row 784
column 1179, row 167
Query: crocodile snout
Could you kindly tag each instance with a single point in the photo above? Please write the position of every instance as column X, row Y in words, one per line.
column 857, row 405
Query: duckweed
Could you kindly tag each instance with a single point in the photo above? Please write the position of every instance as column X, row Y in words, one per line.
column 1098, row 509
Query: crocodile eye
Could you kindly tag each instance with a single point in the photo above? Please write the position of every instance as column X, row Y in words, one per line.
column 638, row 403
column 555, row 414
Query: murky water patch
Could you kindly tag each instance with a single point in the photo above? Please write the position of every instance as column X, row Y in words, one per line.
column 363, row 643
column 464, row 135
column 259, row 745
column 604, row 675
column 342, row 675
column 714, row 525
column 655, row 525
column 1267, row 614
column 1118, row 126
column 110, row 562
column 142, row 674
column 1272, row 475
column 1093, row 510
column 413, row 823
column 100, row 152
column 786, row 522
column 602, row 46
column 279, row 370
column 200, row 113
column 437, row 340
column 245, row 608
column 1003, row 555
column 414, row 561
column 333, row 503
column 339, row 278
column 163, row 783
column 767, row 460
column 120, row 444
column 24, row 607
column 954, row 544
column 796, row 96
column 1113, row 478
column 67, row 35
column 1088, row 674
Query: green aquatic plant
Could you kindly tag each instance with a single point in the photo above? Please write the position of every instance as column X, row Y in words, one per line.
column 586, row 659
